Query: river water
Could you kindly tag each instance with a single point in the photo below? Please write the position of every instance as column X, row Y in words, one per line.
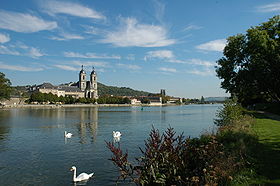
column 33, row 150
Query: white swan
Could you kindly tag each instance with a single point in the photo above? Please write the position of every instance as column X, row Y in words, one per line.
column 116, row 134
column 82, row 177
column 67, row 135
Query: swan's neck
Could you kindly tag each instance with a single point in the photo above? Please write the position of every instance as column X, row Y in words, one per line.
column 74, row 175
column 64, row 133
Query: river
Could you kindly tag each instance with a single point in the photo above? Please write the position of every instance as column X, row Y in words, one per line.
column 33, row 150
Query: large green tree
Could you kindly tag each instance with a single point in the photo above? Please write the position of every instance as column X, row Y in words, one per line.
column 250, row 68
column 5, row 87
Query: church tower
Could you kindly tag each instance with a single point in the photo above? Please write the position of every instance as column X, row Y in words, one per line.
column 82, row 79
column 93, row 83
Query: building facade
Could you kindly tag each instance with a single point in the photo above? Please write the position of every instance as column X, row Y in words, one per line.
column 80, row 89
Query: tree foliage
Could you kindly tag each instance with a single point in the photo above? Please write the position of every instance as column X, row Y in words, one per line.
column 113, row 100
column 5, row 87
column 250, row 67
column 51, row 98
column 230, row 113
column 119, row 91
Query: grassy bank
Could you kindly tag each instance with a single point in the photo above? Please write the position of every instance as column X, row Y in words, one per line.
column 253, row 138
column 267, row 152
column 256, row 142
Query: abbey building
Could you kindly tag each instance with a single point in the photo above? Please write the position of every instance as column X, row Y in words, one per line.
column 80, row 89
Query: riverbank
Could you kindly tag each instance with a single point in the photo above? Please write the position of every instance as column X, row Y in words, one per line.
column 80, row 105
column 261, row 143
column 267, row 152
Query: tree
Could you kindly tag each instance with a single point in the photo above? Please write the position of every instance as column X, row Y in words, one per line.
column 5, row 87
column 202, row 100
column 250, row 67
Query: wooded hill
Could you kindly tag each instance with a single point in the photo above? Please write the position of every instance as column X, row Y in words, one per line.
column 102, row 90
column 119, row 91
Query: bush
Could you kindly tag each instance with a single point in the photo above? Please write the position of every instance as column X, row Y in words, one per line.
column 174, row 160
column 230, row 113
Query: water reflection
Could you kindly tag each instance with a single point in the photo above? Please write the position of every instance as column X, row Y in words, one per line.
column 4, row 127
column 88, row 124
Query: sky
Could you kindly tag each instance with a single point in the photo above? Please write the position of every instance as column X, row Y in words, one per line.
column 145, row 45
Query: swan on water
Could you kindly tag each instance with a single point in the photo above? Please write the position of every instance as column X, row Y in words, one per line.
column 116, row 134
column 82, row 177
column 67, row 135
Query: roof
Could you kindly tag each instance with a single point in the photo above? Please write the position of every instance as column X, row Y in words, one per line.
column 82, row 71
column 46, row 85
column 70, row 89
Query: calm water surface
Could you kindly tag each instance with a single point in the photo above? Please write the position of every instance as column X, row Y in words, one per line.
column 33, row 150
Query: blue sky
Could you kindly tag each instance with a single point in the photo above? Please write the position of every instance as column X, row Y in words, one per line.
column 146, row 45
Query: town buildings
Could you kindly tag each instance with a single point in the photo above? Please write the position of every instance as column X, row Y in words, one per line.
column 80, row 89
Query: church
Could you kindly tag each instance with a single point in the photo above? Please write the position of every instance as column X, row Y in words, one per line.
column 80, row 89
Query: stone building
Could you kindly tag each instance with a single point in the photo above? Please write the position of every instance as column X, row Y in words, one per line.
column 80, row 89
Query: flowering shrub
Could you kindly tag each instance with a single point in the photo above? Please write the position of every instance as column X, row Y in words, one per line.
column 175, row 160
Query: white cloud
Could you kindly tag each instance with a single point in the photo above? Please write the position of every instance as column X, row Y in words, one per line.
column 176, row 61
column 193, row 62
column 35, row 53
column 205, row 72
column 66, row 67
column 168, row 56
column 91, row 55
column 192, row 27
column 4, row 38
column 130, row 57
column 19, row 68
column 129, row 66
column 91, row 63
column 201, row 62
column 21, row 50
column 7, row 51
column 272, row 7
column 164, row 69
column 215, row 45
column 101, row 70
column 132, row 33
column 66, row 36
column 161, row 54
column 26, row 23
column 92, row 30
column 159, row 10
column 74, row 9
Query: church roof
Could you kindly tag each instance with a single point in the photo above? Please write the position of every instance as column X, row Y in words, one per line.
column 70, row 89
column 82, row 70
column 46, row 85
column 93, row 71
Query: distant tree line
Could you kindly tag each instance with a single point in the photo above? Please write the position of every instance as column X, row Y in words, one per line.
column 113, row 100
column 53, row 99
column 5, row 87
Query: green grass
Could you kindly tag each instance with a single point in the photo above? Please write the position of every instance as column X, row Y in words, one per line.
column 267, row 151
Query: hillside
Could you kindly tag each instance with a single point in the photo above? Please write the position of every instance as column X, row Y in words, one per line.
column 102, row 90
column 119, row 91
column 216, row 99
